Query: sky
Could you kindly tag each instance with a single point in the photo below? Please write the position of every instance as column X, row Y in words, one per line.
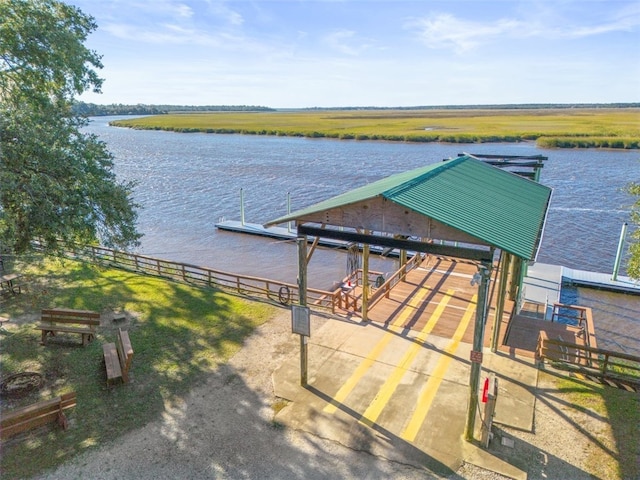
column 381, row 53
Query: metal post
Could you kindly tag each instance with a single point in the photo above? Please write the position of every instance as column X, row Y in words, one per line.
column 476, row 354
column 242, row 206
column 302, row 296
column 289, row 211
column 616, row 265
column 365, row 282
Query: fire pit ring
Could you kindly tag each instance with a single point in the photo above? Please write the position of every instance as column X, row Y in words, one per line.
column 20, row 384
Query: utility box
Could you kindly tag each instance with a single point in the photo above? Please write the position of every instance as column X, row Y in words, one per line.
column 489, row 398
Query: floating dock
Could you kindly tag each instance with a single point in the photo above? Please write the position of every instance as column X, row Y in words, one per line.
column 543, row 282
column 279, row 233
column 602, row 281
column 284, row 233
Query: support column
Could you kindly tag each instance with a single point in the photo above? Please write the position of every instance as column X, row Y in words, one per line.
column 302, row 296
column 476, row 355
column 502, row 287
column 365, row 282
column 403, row 264
column 516, row 267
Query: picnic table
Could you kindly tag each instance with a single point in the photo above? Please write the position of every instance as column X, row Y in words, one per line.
column 9, row 283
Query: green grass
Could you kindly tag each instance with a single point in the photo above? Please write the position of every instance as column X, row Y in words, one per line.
column 551, row 128
column 621, row 408
column 180, row 333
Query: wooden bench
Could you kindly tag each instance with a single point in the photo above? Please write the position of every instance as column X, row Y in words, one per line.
column 117, row 357
column 54, row 320
column 36, row 415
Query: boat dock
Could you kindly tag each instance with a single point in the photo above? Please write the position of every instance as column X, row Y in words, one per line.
column 603, row 281
column 280, row 233
column 542, row 284
column 284, row 233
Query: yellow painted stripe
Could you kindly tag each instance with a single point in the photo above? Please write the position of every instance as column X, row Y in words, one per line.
column 429, row 390
column 386, row 391
column 351, row 383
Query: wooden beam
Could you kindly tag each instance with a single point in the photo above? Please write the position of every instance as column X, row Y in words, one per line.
column 435, row 249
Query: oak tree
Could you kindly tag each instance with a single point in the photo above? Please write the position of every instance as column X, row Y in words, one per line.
column 57, row 183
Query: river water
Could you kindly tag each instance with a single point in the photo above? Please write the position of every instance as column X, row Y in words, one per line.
column 187, row 182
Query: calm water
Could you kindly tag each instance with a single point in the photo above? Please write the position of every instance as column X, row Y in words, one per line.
column 188, row 182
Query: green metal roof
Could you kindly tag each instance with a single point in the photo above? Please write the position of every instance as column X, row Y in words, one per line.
column 499, row 208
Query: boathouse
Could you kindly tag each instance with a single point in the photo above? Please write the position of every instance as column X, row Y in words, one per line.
column 464, row 208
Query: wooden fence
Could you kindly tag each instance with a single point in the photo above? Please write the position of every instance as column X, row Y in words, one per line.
column 247, row 285
column 606, row 364
column 272, row 290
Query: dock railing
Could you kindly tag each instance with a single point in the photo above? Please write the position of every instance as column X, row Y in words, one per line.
column 349, row 294
column 578, row 316
column 606, row 364
column 384, row 288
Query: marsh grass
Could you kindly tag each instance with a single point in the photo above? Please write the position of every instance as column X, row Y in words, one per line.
column 179, row 333
column 551, row 128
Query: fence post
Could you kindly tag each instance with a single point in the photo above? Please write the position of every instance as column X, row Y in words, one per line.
column 606, row 363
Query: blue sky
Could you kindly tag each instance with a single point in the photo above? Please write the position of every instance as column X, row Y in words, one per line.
column 331, row 53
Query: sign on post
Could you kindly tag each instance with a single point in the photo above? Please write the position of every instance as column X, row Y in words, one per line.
column 475, row 356
column 300, row 320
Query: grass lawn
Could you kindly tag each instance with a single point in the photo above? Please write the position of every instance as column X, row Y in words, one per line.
column 550, row 128
column 178, row 333
column 614, row 453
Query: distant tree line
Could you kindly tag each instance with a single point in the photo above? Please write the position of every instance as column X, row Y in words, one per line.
column 93, row 110
column 519, row 106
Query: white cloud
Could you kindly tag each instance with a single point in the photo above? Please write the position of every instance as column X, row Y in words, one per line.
column 161, row 34
column 232, row 17
column 447, row 31
column 342, row 41
column 168, row 7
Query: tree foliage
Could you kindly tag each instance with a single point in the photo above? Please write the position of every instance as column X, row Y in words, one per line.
column 56, row 182
column 633, row 265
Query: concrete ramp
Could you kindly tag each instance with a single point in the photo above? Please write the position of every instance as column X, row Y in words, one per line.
column 398, row 395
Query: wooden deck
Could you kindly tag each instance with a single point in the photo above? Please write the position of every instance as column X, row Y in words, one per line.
column 412, row 303
column 425, row 287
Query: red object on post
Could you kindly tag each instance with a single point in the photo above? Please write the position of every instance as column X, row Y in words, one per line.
column 485, row 390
